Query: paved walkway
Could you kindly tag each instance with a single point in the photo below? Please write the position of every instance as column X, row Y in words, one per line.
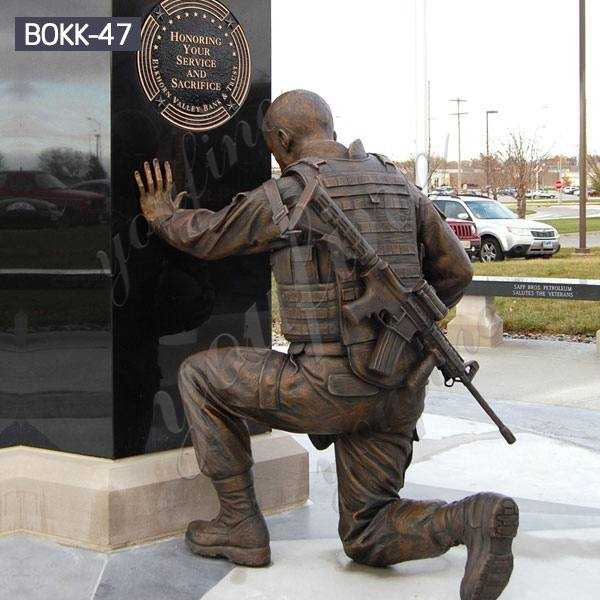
column 548, row 393
column 571, row 240
column 564, row 211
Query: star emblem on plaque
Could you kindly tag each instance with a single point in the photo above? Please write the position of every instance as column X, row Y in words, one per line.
column 194, row 63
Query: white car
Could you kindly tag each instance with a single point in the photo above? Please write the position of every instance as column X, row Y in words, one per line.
column 503, row 233
column 542, row 194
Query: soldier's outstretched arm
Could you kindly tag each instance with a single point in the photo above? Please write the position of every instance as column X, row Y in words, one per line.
column 246, row 225
column 446, row 265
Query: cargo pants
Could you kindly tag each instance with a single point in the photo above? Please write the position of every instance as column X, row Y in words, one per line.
column 316, row 394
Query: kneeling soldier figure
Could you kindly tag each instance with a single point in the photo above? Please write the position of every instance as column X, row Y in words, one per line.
column 337, row 383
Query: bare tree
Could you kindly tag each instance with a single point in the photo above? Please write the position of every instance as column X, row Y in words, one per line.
column 67, row 164
column 594, row 165
column 408, row 167
column 2, row 162
column 495, row 173
column 522, row 161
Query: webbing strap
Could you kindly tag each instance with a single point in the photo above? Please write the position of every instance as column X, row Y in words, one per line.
column 280, row 210
column 317, row 292
column 305, row 198
column 386, row 162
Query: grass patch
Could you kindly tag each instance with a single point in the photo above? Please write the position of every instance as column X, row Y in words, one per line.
column 572, row 225
column 531, row 315
column 564, row 264
column 572, row 317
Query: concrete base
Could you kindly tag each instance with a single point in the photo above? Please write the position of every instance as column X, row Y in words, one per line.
column 108, row 504
column 477, row 324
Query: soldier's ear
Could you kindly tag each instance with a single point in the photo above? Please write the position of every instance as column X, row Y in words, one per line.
column 335, row 136
column 284, row 139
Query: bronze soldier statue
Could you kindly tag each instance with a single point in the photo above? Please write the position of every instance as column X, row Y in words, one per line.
column 327, row 384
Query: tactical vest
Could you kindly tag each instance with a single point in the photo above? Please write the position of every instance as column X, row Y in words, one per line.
column 314, row 279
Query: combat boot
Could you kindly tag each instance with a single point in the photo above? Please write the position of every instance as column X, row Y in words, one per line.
column 486, row 523
column 239, row 533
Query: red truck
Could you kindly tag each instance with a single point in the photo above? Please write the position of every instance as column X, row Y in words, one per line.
column 30, row 189
column 467, row 233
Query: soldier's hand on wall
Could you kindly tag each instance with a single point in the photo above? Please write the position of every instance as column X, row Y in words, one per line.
column 156, row 194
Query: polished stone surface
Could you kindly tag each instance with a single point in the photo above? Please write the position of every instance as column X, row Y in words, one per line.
column 89, row 351
column 50, row 225
column 162, row 297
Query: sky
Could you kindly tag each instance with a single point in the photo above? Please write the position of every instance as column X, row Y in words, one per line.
column 519, row 57
column 51, row 98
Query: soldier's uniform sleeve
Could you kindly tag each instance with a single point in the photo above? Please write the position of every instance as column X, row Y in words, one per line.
column 446, row 265
column 245, row 226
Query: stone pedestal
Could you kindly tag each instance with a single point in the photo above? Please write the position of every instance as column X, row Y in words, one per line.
column 477, row 324
column 108, row 504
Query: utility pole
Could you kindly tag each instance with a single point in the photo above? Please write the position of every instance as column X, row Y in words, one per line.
column 97, row 135
column 582, row 133
column 421, row 97
column 458, row 115
column 487, row 144
column 429, row 119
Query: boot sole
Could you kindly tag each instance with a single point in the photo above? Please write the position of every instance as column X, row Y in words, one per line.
column 247, row 557
column 493, row 576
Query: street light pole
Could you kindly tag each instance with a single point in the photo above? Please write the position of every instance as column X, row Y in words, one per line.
column 458, row 115
column 487, row 144
column 97, row 135
column 582, row 133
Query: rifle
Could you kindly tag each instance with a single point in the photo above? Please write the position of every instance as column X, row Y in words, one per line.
column 406, row 314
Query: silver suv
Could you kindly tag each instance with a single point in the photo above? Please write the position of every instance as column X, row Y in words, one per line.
column 503, row 233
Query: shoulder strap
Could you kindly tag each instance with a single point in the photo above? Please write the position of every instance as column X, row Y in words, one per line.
column 280, row 210
column 306, row 167
column 386, row 162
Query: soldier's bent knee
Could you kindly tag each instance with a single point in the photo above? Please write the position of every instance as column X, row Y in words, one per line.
column 190, row 371
column 362, row 555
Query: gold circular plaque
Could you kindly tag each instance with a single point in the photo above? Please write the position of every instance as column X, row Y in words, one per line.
column 194, row 63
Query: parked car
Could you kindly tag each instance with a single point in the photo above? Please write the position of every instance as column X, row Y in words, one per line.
column 503, row 233
column 76, row 206
column 508, row 191
column 466, row 232
column 445, row 190
column 98, row 186
column 26, row 213
column 571, row 189
column 543, row 194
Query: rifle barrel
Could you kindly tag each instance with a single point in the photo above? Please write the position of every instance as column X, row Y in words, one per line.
column 507, row 434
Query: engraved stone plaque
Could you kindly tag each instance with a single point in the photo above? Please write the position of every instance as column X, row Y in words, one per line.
column 194, row 63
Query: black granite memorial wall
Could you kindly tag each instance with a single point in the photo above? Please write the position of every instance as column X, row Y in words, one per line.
column 96, row 314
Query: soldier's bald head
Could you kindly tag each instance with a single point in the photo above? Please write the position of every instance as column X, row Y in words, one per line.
column 293, row 119
column 302, row 113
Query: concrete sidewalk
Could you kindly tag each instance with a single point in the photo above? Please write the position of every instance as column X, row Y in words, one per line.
column 536, row 372
column 571, row 240
column 556, row 484
column 547, row 392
